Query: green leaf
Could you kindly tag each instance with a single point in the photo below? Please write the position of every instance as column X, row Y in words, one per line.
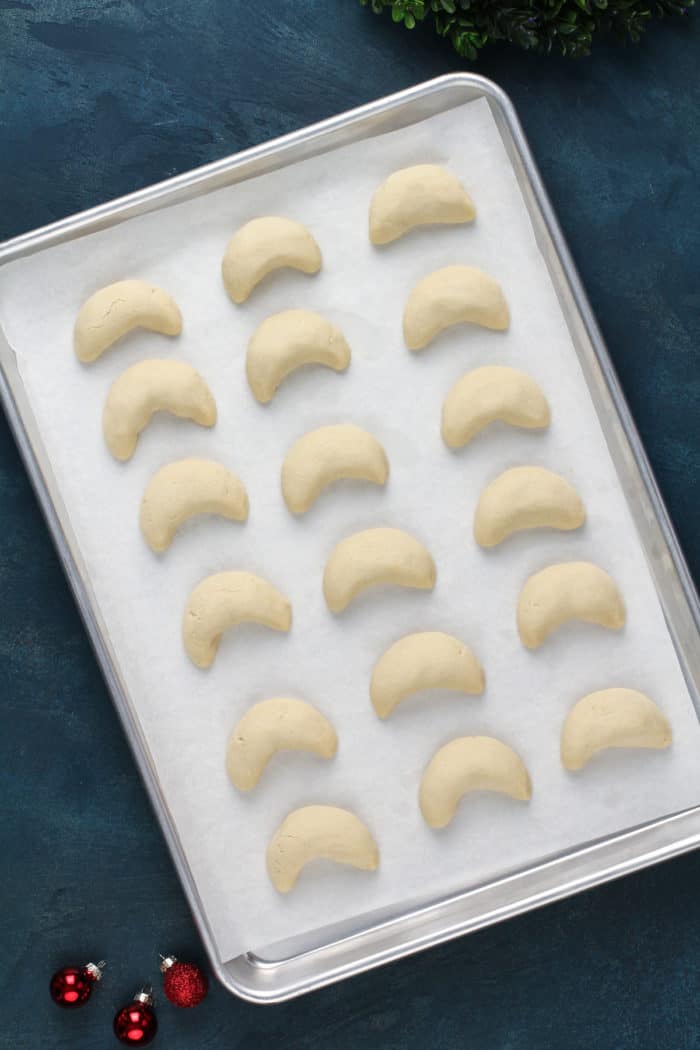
column 571, row 26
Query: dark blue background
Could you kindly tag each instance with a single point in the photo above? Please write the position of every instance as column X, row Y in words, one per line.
column 100, row 97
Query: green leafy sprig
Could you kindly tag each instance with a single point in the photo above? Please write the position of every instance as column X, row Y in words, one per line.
column 539, row 25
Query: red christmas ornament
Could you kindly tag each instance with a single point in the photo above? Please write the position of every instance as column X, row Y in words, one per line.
column 184, row 983
column 136, row 1024
column 71, row 986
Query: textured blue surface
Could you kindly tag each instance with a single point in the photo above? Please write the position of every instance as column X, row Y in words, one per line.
column 100, row 97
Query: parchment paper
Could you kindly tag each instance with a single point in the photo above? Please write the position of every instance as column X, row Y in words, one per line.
column 187, row 714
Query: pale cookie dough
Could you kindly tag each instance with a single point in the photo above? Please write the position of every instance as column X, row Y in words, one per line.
column 315, row 832
column 224, row 600
column 278, row 724
column 264, row 245
column 491, row 394
column 183, row 489
column 287, row 341
column 422, row 195
column 149, row 387
column 526, row 498
column 326, row 455
column 470, row 763
column 453, row 295
column 611, row 718
column 373, row 557
column 114, row 311
column 427, row 660
column 574, row 590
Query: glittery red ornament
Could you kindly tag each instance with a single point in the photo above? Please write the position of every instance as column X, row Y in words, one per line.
column 136, row 1024
column 71, row 986
column 184, row 984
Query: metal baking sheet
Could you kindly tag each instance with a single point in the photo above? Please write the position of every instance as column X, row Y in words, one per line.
column 306, row 962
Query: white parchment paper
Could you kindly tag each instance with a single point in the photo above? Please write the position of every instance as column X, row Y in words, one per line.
column 187, row 714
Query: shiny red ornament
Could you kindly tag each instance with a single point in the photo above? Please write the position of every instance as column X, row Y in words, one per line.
column 136, row 1023
column 71, row 986
column 184, row 983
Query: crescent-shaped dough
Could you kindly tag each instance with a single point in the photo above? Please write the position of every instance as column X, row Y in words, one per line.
column 183, row 489
column 279, row 724
column 573, row 590
column 264, row 245
column 318, row 832
column 611, row 718
column 375, row 556
column 326, row 455
column 417, row 196
column 453, row 295
column 288, row 340
column 149, row 387
column 469, row 763
column 428, row 660
column 526, row 498
column 489, row 394
column 225, row 600
column 114, row 311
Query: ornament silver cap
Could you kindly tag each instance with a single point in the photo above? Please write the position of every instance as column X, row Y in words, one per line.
column 166, row 961
column 95, row 969
column 145, row 996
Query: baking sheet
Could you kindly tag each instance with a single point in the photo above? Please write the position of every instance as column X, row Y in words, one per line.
column 187, row 714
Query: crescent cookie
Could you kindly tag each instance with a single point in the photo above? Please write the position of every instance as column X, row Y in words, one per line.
column 278, row 724
column 183, row 489
column 314, row 832
column 224, row 600
column 424, row 194
column 374, row 557
column 470, row 763
column 526, row 498
column 149, row 387
column 112, row 312
column 263, row 245
column 453, row 295
column 326, row 455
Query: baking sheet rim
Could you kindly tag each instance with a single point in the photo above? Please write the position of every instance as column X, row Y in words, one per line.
column 269, row 987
